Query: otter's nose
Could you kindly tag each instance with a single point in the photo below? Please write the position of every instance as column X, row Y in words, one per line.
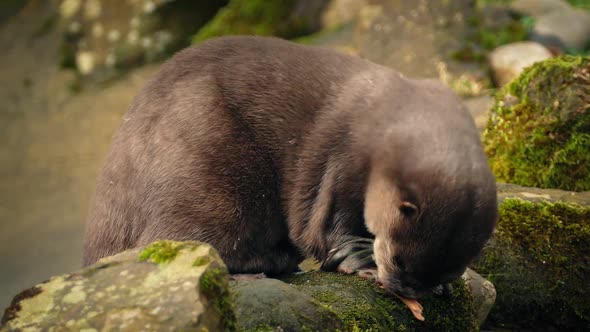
column 406, row 292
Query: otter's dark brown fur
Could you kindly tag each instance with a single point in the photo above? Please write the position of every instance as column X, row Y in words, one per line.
column 271, row 151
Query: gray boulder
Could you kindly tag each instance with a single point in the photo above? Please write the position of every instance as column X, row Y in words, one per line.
column 557, row 24
column 483, row 293
column 538, row 8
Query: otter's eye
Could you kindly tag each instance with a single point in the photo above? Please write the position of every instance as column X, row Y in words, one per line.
column 408, row 209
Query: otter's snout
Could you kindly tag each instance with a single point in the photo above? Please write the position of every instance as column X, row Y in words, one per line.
column 398, row 286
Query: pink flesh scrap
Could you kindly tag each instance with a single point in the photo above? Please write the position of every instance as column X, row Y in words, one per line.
column 414, row 306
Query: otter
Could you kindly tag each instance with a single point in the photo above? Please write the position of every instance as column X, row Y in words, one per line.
column 272, row 151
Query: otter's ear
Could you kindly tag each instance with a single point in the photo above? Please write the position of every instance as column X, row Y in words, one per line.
column 408, row 208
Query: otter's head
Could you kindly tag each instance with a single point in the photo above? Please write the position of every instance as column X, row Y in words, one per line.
column 428, row 225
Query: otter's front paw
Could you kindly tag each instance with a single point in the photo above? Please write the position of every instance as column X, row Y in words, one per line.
column 351, row 255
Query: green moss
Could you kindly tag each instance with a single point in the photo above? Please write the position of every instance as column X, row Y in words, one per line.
column 214, row 285
column 539, row 128
column 200, row 261
column 255, row 17
column 379, row 311
column 486, row 34
column 161, row 251
column 584, row 4
column 539, row 262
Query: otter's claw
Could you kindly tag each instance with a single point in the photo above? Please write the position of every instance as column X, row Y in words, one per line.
column 353, row 254
column 369, row 274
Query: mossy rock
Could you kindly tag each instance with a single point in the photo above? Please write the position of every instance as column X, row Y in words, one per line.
column 490, row 27
column 104, row 40
column 538, row 134
column 361, row 306
column 163, row 287
column 270, row 304
column 539, row 260
column 266, row 18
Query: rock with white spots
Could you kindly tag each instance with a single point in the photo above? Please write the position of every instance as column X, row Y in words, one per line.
column 112, row 31
column 167, row 286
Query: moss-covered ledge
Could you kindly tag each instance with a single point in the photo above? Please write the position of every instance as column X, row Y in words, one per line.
column 364, row 307
column 539, row 259
column 323, row 301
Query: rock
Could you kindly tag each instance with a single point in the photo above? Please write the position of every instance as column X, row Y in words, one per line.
column 539, row 260
column 286, row 19
column 341, row 12
column 271, row 303
column 557, row 24
column 538, row 8
column 165, row 286
column 566, row 30
column 479, row 108
column 358, row 304
column 483, row 293
column 508, row 61
column 418, row 39
column 539, row 129
column 128, row 33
